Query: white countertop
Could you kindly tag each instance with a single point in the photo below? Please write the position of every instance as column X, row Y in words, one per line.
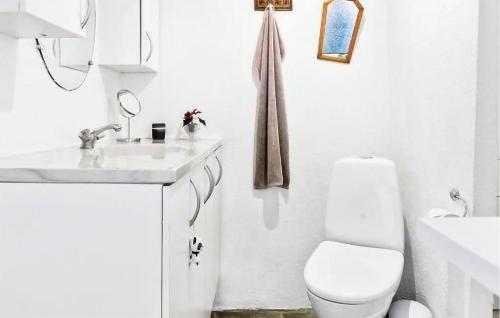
column 473, row 244
column 148, row 163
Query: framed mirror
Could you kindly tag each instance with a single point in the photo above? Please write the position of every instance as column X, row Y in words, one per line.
column 69, row 60
column 339, row 29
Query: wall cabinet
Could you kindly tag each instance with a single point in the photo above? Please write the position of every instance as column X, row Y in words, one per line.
column 35, row 18
column 132, row 44
column 110, row 250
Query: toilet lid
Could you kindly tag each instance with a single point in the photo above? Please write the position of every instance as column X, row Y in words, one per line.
column 351, row 274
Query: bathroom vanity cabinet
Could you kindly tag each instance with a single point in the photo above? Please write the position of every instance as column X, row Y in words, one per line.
column 132, row 44
column 34, row 18
column 122, row 250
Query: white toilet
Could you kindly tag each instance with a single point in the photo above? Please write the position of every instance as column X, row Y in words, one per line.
column 357, row 270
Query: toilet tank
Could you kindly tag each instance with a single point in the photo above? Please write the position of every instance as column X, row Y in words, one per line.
column 364, row 206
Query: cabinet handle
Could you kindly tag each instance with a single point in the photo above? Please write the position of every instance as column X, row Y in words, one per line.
column 150, row 47
column 54, row 49
column 220, row 170
column 198, row 204
column 212, row 183
column 85, row 20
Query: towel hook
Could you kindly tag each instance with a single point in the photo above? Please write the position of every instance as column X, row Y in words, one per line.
column 271, row 3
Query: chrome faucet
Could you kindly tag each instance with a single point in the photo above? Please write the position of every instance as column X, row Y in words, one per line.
column 89, row 138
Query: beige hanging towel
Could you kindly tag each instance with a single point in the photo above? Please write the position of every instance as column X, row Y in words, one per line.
column 271, row 137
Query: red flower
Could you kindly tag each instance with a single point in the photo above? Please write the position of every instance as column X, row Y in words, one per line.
column 190, row 116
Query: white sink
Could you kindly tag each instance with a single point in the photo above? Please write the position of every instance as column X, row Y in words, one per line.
column 472, row 244
column 154, row 151
column 143, row 163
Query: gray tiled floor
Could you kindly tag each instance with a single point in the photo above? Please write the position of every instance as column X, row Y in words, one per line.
column 302, row 313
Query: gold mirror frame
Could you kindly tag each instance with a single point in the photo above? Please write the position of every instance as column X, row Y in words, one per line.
column 347, row 57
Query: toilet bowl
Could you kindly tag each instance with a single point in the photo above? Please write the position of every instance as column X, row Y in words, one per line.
column 356, row 271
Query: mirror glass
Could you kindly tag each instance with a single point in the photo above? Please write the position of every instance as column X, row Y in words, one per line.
column 130, row 105
column 339, row 29
column 68, row 61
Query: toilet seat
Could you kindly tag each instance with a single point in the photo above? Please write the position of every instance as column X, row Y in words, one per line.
column 353, row 275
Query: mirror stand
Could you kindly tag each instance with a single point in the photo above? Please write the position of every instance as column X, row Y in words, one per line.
column 130, row 106
column 128, row 139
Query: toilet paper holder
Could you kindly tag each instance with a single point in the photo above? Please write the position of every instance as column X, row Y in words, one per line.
column 457, row 197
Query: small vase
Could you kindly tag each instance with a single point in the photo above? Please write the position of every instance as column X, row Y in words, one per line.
column 192, row 129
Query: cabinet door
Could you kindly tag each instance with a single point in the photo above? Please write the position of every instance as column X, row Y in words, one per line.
column 198, row 273
column 186, row 279
column 120, row 40
column 150, row 41
column 80, row 251
column 132, row 44
column 176, row 216
column 213, row 207
column 217, row 218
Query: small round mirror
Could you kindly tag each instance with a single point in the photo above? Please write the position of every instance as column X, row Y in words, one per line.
column 130, row 106
column 68, row 60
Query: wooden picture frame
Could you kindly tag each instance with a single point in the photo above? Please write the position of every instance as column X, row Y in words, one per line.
column 344, row 57
column 279, row 5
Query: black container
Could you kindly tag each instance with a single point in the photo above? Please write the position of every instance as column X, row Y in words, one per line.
column 159, row 131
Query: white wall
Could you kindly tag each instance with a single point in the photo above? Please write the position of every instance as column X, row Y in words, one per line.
column 34, row 113
column 334, row 110
column 487, row 113
column 433, row 60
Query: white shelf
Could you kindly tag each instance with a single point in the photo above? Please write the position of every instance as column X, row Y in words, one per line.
column 131, row 68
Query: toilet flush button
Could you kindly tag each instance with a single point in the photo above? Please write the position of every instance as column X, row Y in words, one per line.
column 367, row 157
